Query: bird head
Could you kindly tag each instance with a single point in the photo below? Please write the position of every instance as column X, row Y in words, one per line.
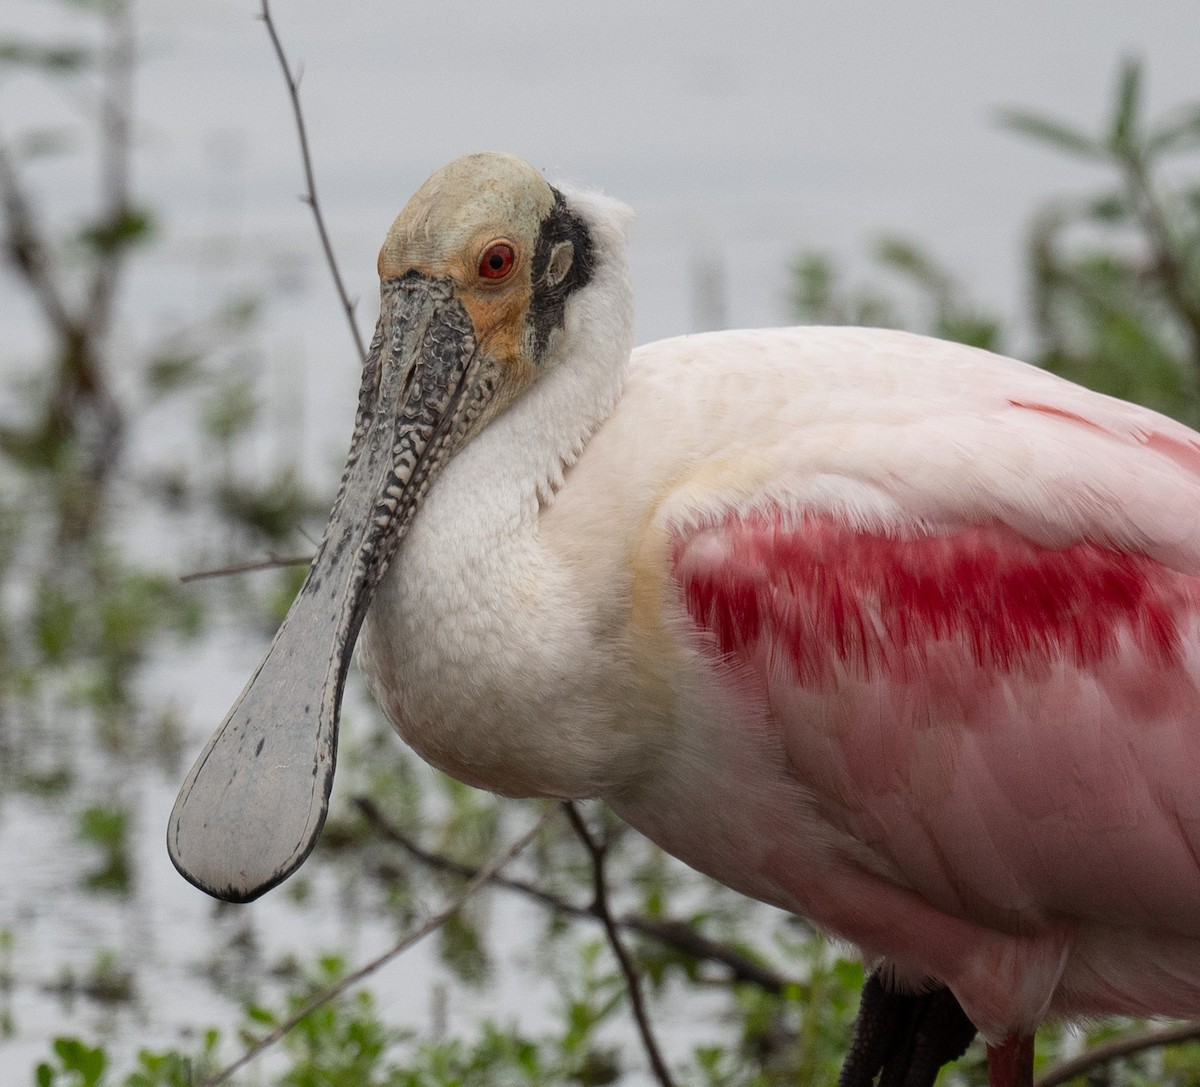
column 505, row 243
column 485, row 279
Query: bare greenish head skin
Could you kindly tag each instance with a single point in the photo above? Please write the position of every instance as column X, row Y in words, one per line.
column 474, row 276
column 460, row 208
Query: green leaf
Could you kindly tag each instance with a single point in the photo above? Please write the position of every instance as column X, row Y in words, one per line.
column 230, row 411
column 1054, row 133
column 49, row 58
column 256, row 1013
column 273, row 508
column 1111, row 208
column 818, row 297
column 103, row 826
column 975, row 330
column 55, row 622
column 169, row 1069
column 86, row 1061
column 172, row 371
column 906, row 257
column 130, row 226
column 106, row 830
column 813, row 286
column 1179, row 134
column 1121, row 137
column 239, row 313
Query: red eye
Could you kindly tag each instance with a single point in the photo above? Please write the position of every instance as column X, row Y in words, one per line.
column 497, row 261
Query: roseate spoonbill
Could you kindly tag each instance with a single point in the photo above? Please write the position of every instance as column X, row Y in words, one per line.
column 893, row 633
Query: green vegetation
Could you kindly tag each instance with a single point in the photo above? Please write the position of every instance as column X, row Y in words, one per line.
column 1114, row 276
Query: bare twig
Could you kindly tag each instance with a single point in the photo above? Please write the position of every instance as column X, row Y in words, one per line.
column 27, row 248
column 274, row 562
column 1171, row 273
column 678, row 935
column 310, row 198
column 596, row 851
column 435, row 922
column 81, row 406
column 116, row 107
column 1125, row 1046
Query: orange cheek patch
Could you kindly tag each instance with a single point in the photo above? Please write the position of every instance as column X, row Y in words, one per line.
column 499, row 320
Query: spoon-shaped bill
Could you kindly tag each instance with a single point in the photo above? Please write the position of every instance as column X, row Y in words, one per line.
column 250, row 810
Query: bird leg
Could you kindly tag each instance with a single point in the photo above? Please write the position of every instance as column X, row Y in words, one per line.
column 904, row 1039
column 1010, row 1064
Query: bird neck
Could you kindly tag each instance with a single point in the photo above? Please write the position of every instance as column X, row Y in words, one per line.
column 467, row 632
column 524, row 453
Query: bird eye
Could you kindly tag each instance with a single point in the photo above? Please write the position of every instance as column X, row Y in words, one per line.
column 497, row 261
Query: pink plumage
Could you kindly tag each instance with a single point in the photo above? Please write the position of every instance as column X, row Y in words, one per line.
column 914, row 654
column 997, row 727
column 873, row 606
column 893, row 633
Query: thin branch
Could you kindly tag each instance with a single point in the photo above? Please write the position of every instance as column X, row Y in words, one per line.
column 1154, row 224
column 116, row 107
column 596, row 851
column 435, row 922
column 27, row 248
column 85, row 362
column 677, row 935
column 293, row 86
column 1126, row 1046
column 81, row 405
column 680, row 936
column 272, row 563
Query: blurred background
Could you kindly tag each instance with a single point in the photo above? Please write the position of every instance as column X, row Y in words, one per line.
column 177, row 386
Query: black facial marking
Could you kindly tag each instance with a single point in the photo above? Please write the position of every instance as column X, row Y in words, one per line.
column 546, row 310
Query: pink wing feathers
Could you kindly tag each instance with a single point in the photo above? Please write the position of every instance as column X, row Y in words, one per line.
column 1010, row 727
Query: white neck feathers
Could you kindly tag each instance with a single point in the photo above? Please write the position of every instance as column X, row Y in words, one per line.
column 526, row 450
